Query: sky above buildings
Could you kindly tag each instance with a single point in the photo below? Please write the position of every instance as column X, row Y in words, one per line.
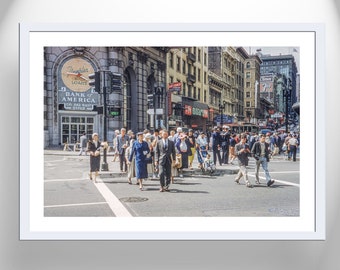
column 295, row 51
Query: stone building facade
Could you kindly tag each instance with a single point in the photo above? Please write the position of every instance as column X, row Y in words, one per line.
column 252, row 101
column 187, row 71
column 72, row 107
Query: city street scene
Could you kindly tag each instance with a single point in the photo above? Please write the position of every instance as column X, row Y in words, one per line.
column 171, row 132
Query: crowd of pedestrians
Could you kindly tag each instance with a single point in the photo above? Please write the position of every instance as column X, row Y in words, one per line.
column 165, row 154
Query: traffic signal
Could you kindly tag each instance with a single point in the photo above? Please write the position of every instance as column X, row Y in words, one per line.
column 98, row 109
column 95, row 81
column 116, row 82
column 113, row 111
column 150, row 101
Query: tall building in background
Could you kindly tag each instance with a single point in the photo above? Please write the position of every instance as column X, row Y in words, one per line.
column 252, row 89
column 283, row 69
column 226, row 84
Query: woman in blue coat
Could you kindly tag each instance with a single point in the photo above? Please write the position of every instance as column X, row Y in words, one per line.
column 140, row 149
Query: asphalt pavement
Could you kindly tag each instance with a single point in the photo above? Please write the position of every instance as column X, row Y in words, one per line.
column 69, row 192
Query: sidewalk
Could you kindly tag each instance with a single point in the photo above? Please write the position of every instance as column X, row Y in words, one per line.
column 114, row 171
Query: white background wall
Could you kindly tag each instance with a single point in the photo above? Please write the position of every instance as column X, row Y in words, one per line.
column 15, row 254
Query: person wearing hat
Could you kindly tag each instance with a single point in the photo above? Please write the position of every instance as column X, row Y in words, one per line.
column 179, row 131
column 225, row 134
column 150, row 166
column 202, row 148
column 183, row 147
column 216, row 146
column 94, row 147
column 292, row 146
column 139, row 151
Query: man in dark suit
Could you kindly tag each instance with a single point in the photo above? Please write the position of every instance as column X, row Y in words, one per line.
column 165, row 156
column 225, row 144
column 216, row 145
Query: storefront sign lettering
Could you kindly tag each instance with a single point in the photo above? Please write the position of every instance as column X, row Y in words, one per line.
column 77, row 101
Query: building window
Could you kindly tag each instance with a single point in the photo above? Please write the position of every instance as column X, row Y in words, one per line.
column 248, row 94
column 205, row 77
column 183, row 67
column 248, row 75
column 248, row 65
column 171, row 79
column 171, row 60
column 248, row 85
column 205, row 59
column 189, row 90
column 178, row 64
column 184, row 89
column 199, row 94
column 194, row 93
column 199, row 55
column 199, row 75
column 205, row 96
column 73, row 127
column 248, row 104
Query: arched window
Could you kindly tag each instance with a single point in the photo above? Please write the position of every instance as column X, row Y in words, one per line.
column 248, row 65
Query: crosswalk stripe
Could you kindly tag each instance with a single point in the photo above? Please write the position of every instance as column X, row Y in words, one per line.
column 116, row 206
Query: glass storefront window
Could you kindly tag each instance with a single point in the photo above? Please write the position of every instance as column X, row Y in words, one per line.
column 73, row 127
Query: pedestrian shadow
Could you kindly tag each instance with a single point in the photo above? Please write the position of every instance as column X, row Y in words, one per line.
column 118, row 181
column 186, row 183
column 174, row 190
column 271, row 187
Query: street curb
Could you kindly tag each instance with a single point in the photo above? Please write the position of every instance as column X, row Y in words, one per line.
column 230, row 170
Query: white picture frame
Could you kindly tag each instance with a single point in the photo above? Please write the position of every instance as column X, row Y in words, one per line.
column 311, row 222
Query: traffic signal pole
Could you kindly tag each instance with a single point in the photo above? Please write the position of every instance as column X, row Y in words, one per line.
column 114, row 85
column 105, row 166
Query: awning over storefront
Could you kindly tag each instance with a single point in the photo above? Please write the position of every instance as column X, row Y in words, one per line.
column 195, row 108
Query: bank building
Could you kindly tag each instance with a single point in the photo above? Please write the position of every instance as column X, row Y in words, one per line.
column 72, row 106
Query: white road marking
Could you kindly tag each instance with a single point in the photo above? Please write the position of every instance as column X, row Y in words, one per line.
column 114, row 203
column 271, row 172
column 277, row 180
column 64, row 180
column 51, row 161
column 116, row 206
column 75, row 204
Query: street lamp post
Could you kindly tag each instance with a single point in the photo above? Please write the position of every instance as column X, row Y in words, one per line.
column 105, row 166
column 221, row 109
column 157, row 92
column 288, row 92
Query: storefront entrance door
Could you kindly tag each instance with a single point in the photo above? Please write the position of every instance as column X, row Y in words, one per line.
column 73, row 127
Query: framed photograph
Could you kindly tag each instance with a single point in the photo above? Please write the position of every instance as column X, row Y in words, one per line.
column 95, row 79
